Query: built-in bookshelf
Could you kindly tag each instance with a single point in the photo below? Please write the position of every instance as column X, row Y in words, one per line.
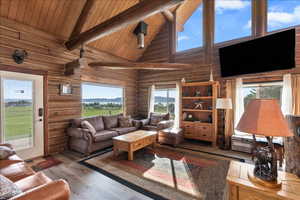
column 198, row 110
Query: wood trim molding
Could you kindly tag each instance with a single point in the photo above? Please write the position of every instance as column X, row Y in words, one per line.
column 46, row 124
column 208, row 29
column 12, row 68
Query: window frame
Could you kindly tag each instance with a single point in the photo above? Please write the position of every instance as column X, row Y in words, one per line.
column 202, row 23
column 167, row 103
column 103, row 85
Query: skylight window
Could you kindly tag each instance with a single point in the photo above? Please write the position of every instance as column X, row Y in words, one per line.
column 191, row 36
column 283, row 14
column 232, row 19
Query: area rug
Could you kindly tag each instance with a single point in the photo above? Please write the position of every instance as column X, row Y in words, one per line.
column 44, row 163
column 165, row 173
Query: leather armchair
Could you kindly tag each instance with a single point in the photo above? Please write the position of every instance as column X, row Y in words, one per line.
column 55, row 190
column 165, row 123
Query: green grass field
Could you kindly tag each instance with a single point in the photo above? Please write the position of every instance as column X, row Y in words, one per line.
column 18, row 122
column 92, row 111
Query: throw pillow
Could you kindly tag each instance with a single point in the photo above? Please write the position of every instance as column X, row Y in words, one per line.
column 8, row 189
column 154, row 120
column 125, row 122
column 89, row 126
column 5, row 152
column 111, row 121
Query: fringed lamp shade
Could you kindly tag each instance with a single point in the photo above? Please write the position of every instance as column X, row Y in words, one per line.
column 264, row 117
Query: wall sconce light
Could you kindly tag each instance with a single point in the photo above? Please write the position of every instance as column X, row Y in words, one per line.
column 141, row 31
column 19, row 56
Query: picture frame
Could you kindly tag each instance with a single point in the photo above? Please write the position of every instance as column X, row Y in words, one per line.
column 65, row 89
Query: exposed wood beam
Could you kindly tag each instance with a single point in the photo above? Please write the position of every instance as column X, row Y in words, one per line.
column 208, row 28
column 259, row 17
column 172, row 38
column 132, row 15
column 168, row 15
column 83, row 17
column 148, row 66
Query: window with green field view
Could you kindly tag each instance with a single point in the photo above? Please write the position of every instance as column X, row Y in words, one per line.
column 101, row 99
column 18, row 112
column 165, row 101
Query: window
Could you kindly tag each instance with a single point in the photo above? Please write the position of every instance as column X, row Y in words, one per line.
column 101, row 100
column 262, row 91
column 283, row 13
column 191, row 36
column 232, row 19
column 271, row 90
column 164, row 101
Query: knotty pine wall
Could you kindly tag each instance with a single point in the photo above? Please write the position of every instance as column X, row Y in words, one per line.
column 158, row 52
column 46, row 55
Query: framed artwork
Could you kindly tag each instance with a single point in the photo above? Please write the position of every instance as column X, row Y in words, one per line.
column 65, row 89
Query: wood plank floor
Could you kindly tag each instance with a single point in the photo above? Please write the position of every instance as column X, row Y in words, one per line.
column 87, row 184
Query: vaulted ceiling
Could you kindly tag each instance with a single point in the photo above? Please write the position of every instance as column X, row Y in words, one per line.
column 59, row 17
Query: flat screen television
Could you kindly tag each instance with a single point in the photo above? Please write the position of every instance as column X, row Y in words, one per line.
column 269, row 53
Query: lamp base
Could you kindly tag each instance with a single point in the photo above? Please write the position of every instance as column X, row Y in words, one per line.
column 269, row 184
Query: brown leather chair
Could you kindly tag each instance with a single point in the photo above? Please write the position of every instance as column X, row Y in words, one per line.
column 35, row 186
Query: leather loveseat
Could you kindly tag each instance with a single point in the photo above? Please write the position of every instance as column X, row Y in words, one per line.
column 156, row 122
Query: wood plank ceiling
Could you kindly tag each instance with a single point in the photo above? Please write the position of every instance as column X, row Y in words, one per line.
column 58, row 17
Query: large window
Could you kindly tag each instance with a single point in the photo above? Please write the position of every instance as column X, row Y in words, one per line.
column 101, row 99
column 232, row 19
column 283, row 13
column 165, row 101
column 272, row 90
column 191, row 36
column 262, row 91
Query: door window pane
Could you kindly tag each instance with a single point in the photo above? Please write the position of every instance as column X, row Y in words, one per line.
column 101, row 100
column 283, row 14
column 232, row 19
column 18, row 113
column 192, row 34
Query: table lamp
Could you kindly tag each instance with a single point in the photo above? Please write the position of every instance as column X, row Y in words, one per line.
column 224, row 104
column 264, row 117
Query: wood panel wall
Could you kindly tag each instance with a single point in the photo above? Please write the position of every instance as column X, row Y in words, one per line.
column 47, row 55
column 156, row 52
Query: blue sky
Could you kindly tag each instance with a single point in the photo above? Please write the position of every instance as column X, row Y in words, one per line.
column 17, row 89
column 233, row 20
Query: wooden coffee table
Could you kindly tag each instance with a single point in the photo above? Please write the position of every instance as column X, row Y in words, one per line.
column 134, row 141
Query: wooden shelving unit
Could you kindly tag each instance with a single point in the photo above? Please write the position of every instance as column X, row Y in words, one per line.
column 203, row 125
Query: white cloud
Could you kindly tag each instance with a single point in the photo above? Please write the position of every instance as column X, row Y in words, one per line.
column 278, row 18
column 248, row 25
column 183, row 37
column 222, row 5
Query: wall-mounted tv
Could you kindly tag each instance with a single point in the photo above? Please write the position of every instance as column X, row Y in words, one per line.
column 269, row 53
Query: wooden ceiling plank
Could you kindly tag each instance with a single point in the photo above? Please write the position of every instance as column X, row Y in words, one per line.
column 138, row 65
column 4, row 8
column 82, row 19
column 13, row 9
column 21, row 11
column 37, row 6
column 132, row 15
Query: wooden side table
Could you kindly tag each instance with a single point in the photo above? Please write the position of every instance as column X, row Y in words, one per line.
column 173, row 136
column 241, row 188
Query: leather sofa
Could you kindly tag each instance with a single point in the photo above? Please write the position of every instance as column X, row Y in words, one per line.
column 84, row 141
column 34, row 186
column 156, row 122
